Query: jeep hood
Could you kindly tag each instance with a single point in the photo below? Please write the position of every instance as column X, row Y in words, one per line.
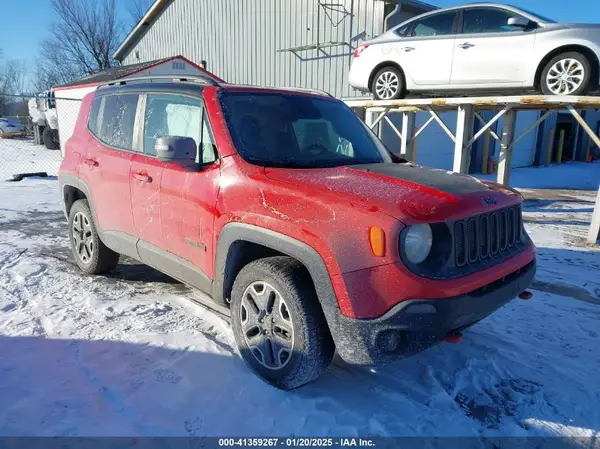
column 407, row 192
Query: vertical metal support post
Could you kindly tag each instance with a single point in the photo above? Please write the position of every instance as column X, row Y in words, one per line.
column 594, row 232
column 549, row 147
column 369, row 117
column 561, row 144
column 506, row 147
column 486, row 152
column 408, row 131
column 414, row 145
column 464, row 133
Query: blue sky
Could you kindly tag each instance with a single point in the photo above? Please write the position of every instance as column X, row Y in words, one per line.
column 25, row 22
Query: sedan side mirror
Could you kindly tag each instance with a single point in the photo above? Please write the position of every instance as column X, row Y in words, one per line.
column 519, row 22
column 176, row 149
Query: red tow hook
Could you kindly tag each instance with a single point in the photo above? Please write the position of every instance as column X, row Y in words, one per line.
column 454, row 338
column 526, row 295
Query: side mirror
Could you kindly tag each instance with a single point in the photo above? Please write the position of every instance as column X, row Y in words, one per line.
column 176, row 149
column 519, row 22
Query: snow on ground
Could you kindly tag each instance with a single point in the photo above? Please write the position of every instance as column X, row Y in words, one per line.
column 569, row 175
column 22, row 156
column 128, row 354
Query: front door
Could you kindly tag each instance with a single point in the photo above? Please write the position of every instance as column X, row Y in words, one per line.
column 489, row 51
column 425, row 52
column 180, row 207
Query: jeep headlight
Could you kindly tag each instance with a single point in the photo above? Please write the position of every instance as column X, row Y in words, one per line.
column 417, row 243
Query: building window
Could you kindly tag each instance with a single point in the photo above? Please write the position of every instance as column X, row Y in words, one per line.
column 178, row 66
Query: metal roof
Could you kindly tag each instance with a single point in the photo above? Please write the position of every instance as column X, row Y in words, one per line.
column 115, row 73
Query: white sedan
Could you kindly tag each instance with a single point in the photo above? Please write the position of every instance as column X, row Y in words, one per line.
column 483, row 46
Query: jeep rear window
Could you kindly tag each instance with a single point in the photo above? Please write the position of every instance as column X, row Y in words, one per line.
column 296, row 130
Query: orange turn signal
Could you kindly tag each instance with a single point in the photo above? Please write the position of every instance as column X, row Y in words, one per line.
column 377, row 239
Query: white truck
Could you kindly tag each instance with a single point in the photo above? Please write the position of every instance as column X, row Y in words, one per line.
column 42, row 109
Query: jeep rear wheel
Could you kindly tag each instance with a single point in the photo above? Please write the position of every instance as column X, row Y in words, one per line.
column 278, row 323
column 90, row 254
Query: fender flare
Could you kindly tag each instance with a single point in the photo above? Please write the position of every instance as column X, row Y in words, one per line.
column 308, row 256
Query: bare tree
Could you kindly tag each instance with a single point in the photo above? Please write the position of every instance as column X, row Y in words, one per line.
column 12, row 81
column 82, row 41
column 137, row 9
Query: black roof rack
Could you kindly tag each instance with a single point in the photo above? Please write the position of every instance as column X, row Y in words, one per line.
column 203, row 79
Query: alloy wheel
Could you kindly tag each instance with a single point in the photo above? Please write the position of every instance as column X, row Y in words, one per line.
column 387, row 85
column 565, row 76
column 83, row 239
column 267, row 325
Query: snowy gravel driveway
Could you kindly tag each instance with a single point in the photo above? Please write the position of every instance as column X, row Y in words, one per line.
column 128, row 354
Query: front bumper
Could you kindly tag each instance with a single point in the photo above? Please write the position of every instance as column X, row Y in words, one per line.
column 415, row 325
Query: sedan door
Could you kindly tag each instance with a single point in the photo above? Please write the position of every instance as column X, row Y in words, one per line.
column 425, row 51
column 489, row 52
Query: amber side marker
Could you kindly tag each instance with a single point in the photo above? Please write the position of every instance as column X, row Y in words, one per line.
column 377, row 240
column 526, row 295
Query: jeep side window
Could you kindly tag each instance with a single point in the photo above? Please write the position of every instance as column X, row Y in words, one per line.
column 171, row 115
column 118, row 120
column 94, row 114
column 208, row 146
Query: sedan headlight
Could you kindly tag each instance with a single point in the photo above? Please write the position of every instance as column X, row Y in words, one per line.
column 417, row 243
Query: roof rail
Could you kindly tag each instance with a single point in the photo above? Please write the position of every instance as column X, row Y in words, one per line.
column 193, row 78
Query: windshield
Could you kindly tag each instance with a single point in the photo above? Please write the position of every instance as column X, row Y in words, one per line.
column 299, row 131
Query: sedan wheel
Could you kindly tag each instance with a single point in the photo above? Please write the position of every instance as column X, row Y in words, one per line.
column 565, row 76
column 388, row 84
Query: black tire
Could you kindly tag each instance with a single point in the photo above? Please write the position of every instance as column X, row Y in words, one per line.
column 50, row 138
column 100, row 258
column 394, row 79
column 312, row 346
column 584, row 69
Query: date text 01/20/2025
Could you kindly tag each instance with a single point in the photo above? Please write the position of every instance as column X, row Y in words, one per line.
column 296, row 442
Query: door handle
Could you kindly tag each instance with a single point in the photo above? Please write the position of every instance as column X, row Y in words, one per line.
column 466, row 46
column 407, row 49
column 142, row 177
column 90, row 161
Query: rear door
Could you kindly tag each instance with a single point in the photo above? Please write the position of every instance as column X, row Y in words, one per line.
column 105, row 164
column 489, row 51
column 145, row 178
column 425, row 53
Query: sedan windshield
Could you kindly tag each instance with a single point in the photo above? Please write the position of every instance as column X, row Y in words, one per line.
column 297, row 131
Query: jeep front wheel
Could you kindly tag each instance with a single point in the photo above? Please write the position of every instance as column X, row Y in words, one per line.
column 278, row 323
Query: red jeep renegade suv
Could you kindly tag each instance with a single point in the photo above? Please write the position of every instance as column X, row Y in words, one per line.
column 286, row 211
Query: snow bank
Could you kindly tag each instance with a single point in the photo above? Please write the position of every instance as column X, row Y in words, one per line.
column 129, row 355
